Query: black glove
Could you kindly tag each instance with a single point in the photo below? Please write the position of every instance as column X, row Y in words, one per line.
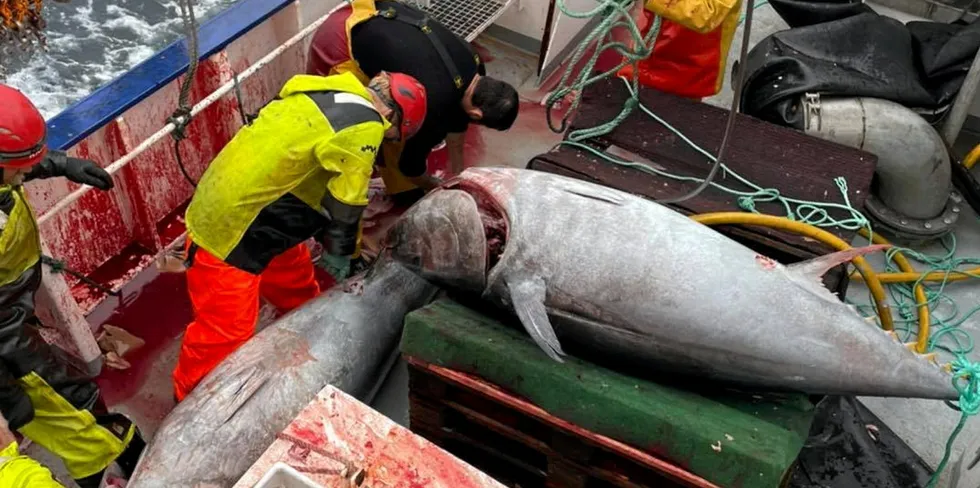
column 82, row 171
column 339, row 267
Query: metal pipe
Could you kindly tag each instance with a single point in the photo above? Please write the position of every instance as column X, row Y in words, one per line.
column 913, row 165
column 964, row 99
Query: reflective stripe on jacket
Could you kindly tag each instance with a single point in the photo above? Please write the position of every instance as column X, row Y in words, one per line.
column 300, row 170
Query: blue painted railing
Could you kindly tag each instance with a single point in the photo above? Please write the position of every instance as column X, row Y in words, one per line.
column 108, row 102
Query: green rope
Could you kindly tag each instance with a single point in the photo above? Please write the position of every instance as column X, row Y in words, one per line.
column 966, row 379
column 615, row 14
column 809, row 212
column 966, row 374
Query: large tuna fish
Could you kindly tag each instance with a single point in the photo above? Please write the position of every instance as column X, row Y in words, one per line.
column 631, row 280
column 342, row 338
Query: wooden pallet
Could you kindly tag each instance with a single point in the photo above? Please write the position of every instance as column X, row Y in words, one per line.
column 800, row 166
column 481, row 389
column 523, row 445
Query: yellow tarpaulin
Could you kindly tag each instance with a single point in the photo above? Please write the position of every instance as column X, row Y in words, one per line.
column 698, row 15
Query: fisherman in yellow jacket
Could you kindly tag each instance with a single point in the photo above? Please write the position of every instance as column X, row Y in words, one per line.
column 300, row 170
column 41, row 396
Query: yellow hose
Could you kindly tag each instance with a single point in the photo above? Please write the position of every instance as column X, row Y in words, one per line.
column 971, row 159
column 806, row 230
column 922, row 305
column 935, row 276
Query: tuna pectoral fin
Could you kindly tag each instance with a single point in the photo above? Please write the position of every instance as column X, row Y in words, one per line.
column 527, row 295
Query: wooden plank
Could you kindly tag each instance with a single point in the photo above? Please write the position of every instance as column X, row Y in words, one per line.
column 771, row 156
column 756, row 439
column 799, row 166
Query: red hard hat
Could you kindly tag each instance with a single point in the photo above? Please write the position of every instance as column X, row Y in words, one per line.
column 22, row 130
column 409, row 94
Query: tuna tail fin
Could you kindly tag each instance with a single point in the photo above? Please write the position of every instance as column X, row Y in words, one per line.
column 527, row 296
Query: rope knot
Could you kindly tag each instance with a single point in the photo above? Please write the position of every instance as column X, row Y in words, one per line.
column 746, row 203
column 55, row 265
column 966, row 379
column 180, row 119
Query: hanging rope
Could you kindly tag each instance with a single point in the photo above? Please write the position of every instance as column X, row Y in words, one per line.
column 182, row 116
column 58, row 266
column 247, row 118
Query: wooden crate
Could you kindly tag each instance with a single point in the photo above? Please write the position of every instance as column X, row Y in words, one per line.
column 771, row 156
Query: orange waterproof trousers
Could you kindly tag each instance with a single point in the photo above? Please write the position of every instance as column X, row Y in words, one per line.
column 226, row 307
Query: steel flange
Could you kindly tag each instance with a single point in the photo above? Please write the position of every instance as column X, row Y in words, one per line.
column 911, row 229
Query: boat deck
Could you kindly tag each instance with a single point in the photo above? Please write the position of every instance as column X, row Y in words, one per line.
column 157, row 307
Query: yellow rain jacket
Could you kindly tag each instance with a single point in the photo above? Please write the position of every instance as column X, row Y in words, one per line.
column 300, row 170
column 39, row 396
column 17, row 471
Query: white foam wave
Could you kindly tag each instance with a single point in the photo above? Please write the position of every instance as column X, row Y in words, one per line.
column 91, row 43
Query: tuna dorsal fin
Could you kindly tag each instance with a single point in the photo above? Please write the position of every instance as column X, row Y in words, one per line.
column 815, row 268
column 808, row 273
column 527, row 294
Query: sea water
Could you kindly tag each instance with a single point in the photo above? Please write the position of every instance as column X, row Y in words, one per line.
column 92, row 42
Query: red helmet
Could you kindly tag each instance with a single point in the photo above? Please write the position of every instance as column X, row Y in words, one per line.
column 409, row 94
column 23, row 131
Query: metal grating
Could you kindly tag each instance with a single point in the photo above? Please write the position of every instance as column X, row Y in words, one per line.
column 466, row 18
